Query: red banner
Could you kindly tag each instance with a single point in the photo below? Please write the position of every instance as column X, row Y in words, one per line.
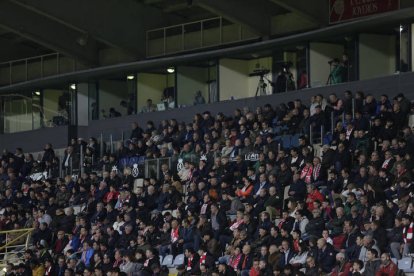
column 344, row 10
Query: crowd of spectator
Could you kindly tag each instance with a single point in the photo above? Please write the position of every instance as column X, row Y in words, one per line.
column 236, row 201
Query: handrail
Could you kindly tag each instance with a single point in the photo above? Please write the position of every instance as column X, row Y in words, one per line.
column 11, row 250
column 29, row 58
column 15, row 230
column 11, row 243
column 183, row 24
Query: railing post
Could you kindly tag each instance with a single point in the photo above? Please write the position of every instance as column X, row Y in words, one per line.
column 322, row 135
column 27, row 71
column 165, row 40
column 221, row 30
column 71, row 167
column 27, row 239
column 10, row 73
column 102, row 145
column 182, row 37
column 57, row 63
column 310, row 134
column 201, row 34
column 158, row 168
column 353, row 108
column 81, row 168
column 146, row 42
column 111, row 146
column 41, row 66
column 60, row 166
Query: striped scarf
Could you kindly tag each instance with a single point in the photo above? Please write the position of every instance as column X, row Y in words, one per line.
column 306, row 174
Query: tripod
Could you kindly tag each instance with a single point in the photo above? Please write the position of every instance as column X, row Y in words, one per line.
column 329, row 80
column 261, row 87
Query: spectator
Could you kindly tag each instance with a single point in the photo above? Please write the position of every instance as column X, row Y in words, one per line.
column 227, row 197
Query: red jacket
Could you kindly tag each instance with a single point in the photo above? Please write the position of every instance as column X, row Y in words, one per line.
column 254, row 272
column 316, row 195
column 389, row 270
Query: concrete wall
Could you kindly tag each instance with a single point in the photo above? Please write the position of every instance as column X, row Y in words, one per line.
column 83, row 103
column 234, row 78
column 376, row 55
column 34, row 140
column 290, row 22
column 319, row 55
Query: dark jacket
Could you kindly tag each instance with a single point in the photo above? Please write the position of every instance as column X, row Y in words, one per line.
column 282, row 261
column 247, row 260
column 371, row 267
column 315, row 227
column 326, row 258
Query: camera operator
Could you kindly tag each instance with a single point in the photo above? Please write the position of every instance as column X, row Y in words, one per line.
column 285, row 81
column 338, row 72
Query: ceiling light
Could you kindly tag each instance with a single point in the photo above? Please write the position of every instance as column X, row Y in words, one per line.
column 170, row 70
column 130, row 77
column 73, row 86
column 37, row 93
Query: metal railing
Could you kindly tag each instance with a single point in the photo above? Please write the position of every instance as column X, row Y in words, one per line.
column 15, row 242
column 195, row 35
column 36, row 67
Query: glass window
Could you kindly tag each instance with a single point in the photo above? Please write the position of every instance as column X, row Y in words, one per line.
column 55, row 107
column 18, row 112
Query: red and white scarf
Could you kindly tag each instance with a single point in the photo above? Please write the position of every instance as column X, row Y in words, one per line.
column 174, row 235
column 190, row 263
column 316, row 171
column 146, row 263
column 408, row 233
column 203, row 258
column 386, row 163
column 306, row 174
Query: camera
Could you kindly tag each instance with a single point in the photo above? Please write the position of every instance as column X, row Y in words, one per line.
column 335, row 60
column 260, row 72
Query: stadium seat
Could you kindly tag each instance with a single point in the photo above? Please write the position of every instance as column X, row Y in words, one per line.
column 294, row 140
column 179, row 260
column 285, row 194
column 286, row 141
column 405, row 264
column 167, row 261
column 277, row 130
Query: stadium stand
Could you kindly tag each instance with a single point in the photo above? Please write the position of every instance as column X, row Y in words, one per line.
column 312, row 188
